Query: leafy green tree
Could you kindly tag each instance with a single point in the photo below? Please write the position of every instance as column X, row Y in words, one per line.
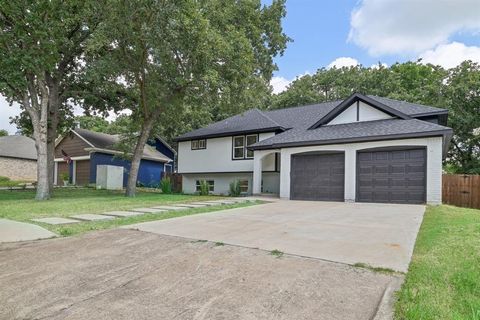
column 3, row 133
column 456, row 89
column 462, row 94
column 41, row 47
column 177, row 54
column 94, row 123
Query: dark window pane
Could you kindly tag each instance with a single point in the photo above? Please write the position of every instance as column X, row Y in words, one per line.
column 251, row 140
column 238, row 141
column 238, row 153
column 249, row 153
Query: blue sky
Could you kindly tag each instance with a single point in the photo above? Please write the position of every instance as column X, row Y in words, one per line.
column 372, row 31
column 348, row 32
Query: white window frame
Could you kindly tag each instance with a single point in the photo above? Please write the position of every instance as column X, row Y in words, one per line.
column 211, row 185
column 242, row 147
column 242, row 187
column 246, row 144
column 198, row 144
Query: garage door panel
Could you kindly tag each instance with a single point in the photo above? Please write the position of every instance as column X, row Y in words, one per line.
column 318, row 177
column 397, row 176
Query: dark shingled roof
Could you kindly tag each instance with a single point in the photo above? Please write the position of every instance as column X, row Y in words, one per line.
column 109, row 141
column 357, row 131
column 408, row 108
column 20, row 147
column 302, row 117
column 251, row 120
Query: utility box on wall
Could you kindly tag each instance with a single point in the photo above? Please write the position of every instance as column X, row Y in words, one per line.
column 109, row 177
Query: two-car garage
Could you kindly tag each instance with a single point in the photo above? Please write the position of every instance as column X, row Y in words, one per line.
column 382, row 175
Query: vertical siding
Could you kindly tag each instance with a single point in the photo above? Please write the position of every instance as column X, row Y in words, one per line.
column 149, row 174
column 160, row 146
column 62, row 167
column 82, row 173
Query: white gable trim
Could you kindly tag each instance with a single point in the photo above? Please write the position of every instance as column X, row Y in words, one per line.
column 359, row 111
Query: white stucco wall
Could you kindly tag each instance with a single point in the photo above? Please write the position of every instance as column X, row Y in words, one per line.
column 366, row 113
column 434, row 164
column 271, row 182
column 217, row 157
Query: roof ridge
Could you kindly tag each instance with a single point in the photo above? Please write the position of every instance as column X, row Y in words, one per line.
column 268, row 118
column 305, row 105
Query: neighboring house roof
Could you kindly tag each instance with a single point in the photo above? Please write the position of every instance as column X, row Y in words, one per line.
column 304, row 117
column 107, row 143
column 20, row 147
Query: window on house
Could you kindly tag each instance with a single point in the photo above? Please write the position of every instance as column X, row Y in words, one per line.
column 251, row 139
column 243, row 186
column 199, row 144
column 239, row 147
column 211, row 185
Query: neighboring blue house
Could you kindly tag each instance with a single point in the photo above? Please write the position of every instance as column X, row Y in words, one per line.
column 80, row 151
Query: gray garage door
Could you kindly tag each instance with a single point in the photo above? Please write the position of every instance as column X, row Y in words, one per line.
column 318, row 177
column 392, row 176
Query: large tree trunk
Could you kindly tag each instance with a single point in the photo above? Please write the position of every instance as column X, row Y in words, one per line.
column 137, row 156
column 40, row 132
column 42, row 108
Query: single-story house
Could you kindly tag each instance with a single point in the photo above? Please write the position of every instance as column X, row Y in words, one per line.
column 18, row 158
column 363, row 148
column 80, row 151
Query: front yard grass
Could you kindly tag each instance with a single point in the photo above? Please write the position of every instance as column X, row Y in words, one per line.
column 20, row 205
column 443, row 281
column 82, row 227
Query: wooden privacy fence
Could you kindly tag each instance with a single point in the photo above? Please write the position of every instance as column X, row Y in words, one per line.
column 176, row 180
column 461, row 190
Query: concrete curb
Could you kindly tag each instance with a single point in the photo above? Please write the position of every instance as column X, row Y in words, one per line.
column 385, row 305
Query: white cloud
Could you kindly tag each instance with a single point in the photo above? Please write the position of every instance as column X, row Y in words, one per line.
column 279, row 84
column 343, row 62
column 411, row 26
column 6, row 112
column 377, row 65
column 451, row 55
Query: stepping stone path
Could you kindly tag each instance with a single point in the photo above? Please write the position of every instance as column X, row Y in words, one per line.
column 218, row 202
column 56, row 220
column 203, row 203
column 170, row 208
column 191, row 205
column 122, row 214
column 148, row 210
column 91, row 217
column 134, row 212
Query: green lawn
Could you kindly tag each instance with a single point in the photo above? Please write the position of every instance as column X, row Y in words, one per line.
column 443, row 281
column 20, row 205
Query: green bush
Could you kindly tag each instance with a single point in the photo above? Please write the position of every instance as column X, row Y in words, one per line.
column 166, row 185
column 234, row 189
column 64, row 176
column 204, row 188
column 4, row 179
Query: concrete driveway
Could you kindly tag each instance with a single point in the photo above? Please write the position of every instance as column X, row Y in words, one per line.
column 380, row 235
column 125, row 274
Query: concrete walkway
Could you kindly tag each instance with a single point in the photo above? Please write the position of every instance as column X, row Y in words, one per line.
column 12, row 231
